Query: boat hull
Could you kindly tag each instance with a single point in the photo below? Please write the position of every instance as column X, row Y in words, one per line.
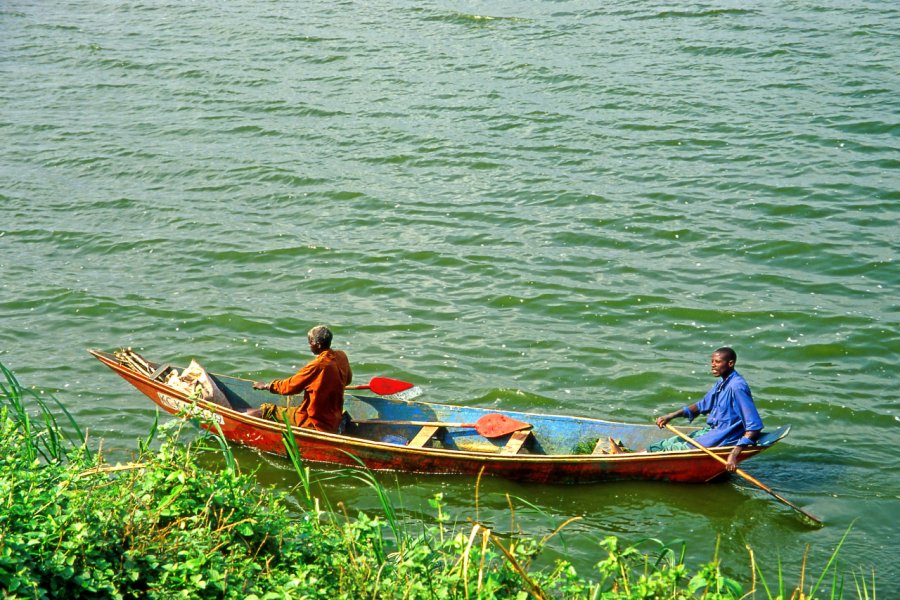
column 474, row 455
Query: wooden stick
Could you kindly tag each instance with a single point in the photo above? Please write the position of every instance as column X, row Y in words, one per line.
column 139, row 359
column 136, row 361
column 745, row 475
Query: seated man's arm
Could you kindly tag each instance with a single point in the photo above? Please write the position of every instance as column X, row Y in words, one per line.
column 688, row 412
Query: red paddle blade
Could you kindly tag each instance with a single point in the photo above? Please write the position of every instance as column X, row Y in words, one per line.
column 496, row 425
column 385, row 387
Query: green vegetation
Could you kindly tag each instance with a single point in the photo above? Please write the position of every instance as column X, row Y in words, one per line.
column 164, row 526
column 585, row 446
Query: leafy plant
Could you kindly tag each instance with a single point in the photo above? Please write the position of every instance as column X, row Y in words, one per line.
column 172, row 524
column 585, row 446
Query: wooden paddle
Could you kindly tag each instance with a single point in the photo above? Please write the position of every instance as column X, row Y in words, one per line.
column 384, row 386
column 745, row 475
column 490, row 426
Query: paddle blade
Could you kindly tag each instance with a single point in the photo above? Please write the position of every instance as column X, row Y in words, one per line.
column 496, row 425
column 393, row 388
column 385, row 387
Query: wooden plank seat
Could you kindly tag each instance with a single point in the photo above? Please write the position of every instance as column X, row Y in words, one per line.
column 516, row 442
column 425, row 435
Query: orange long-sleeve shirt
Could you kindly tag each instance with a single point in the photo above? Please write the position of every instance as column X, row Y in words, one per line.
column 322, row 382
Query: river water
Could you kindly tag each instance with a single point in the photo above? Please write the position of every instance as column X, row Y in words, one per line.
column 545, row 206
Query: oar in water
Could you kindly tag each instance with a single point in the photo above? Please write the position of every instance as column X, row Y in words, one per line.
column 490, row 426
column 745, row 475
column 384, row 386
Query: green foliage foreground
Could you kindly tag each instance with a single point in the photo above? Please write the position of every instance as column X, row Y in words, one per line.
column 165, row 526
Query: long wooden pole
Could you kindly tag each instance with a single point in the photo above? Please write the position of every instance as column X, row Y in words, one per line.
column 746, row 475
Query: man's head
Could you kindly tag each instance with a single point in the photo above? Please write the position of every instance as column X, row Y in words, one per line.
column 319, row 339
column 723, row 361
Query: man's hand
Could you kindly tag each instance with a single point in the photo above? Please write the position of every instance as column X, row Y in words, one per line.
column 663, row 420
column 258, row 385
column 731, row 465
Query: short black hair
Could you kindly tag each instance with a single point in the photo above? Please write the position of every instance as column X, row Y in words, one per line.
column 727, row 352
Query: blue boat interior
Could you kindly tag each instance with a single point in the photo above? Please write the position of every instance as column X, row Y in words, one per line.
column 409, row 424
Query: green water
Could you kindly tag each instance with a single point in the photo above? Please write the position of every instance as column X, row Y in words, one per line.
column 547, row 206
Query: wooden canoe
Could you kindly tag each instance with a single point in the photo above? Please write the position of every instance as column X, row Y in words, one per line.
column 544, row 454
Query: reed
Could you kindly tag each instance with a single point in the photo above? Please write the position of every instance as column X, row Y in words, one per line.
column 836, row 589
column 303, row 471
column 864, row 588
column 45, row 438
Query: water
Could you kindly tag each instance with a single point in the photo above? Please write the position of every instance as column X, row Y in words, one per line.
column 545, row 206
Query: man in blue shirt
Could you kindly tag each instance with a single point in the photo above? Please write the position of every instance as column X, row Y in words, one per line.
column 733, row 418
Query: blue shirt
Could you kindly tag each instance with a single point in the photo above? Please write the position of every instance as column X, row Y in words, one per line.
column 731, row 412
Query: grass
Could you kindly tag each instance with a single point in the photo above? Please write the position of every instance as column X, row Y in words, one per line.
column 164, row 526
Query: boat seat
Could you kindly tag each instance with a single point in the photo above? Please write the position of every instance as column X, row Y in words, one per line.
column 516, row 442
column 424, row 436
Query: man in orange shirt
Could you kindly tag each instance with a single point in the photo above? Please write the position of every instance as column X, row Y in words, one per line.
column 322, row 382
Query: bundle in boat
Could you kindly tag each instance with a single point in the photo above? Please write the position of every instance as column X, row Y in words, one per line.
column 194, row 381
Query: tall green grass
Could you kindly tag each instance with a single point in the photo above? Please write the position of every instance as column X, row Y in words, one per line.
column 46, row 437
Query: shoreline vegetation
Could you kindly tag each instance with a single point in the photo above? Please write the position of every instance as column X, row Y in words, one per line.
column 182, row 521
